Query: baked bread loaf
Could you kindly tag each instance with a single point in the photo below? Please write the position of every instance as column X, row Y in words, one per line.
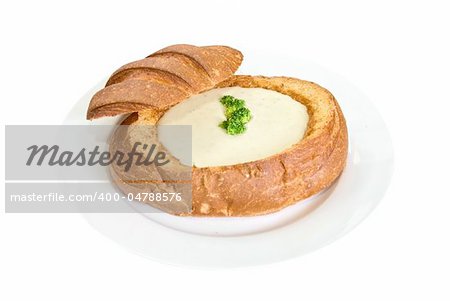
column 247, row 189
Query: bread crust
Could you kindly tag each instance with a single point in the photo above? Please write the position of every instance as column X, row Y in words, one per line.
column 273, row 183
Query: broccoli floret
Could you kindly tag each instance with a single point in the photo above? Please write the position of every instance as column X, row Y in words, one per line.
column 229, row 100
column 233, row 126
column 236, row 113
column 231, row 104
column 224, row 124
column 242, row 114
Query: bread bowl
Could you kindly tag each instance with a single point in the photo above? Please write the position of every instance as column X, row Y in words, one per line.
column 152, row 89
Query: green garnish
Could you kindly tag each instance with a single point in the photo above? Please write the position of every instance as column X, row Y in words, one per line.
column 236, row 113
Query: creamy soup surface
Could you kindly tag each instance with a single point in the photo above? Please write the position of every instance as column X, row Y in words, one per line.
column 277, row 123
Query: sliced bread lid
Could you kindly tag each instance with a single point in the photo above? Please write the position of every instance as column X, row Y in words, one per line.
column 164, row 78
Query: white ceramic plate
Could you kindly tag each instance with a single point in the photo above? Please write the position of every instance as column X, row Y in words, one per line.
column 294, row 231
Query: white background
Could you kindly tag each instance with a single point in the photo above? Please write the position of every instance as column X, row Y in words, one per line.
column 397, row 52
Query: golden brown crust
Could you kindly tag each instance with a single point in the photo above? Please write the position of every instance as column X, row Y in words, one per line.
column 164, row 78
column 273, row 183
column 134, row 95
column 219, row 62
